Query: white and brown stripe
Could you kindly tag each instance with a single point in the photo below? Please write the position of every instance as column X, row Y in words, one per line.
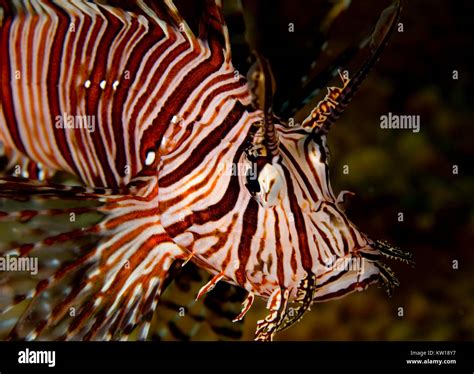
column 171, row 116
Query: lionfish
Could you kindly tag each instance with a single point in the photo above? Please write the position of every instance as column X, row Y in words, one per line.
column 177, row 159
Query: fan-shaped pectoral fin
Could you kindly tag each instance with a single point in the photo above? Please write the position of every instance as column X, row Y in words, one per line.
column 107, row 276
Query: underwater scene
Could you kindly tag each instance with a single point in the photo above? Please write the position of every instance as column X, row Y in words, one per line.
column 236, row 170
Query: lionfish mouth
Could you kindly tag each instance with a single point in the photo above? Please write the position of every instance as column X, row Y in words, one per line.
column 309, row 287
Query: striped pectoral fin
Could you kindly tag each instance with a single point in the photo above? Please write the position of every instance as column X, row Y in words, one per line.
column 98, row 276
column 128, row 296
column 55, row 266
column 96, row 302
column 47, row 235
column 35, row 214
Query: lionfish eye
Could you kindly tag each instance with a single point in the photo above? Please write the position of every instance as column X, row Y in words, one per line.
column 251, row 182
column 265, row 185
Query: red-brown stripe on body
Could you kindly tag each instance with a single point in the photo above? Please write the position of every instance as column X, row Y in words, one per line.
column 53, row 82
column 122, row 93
column 6, row 77
column 197, row 155
column 153, row 134
column 181, row 93
column 279, row 251
column 303, row 245
column 249, row 228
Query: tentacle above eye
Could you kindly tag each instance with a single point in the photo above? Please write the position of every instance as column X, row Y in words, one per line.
column 337, row 99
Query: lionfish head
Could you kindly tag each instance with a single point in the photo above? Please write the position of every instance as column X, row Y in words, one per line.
column 287, row 171
column 325, row 255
